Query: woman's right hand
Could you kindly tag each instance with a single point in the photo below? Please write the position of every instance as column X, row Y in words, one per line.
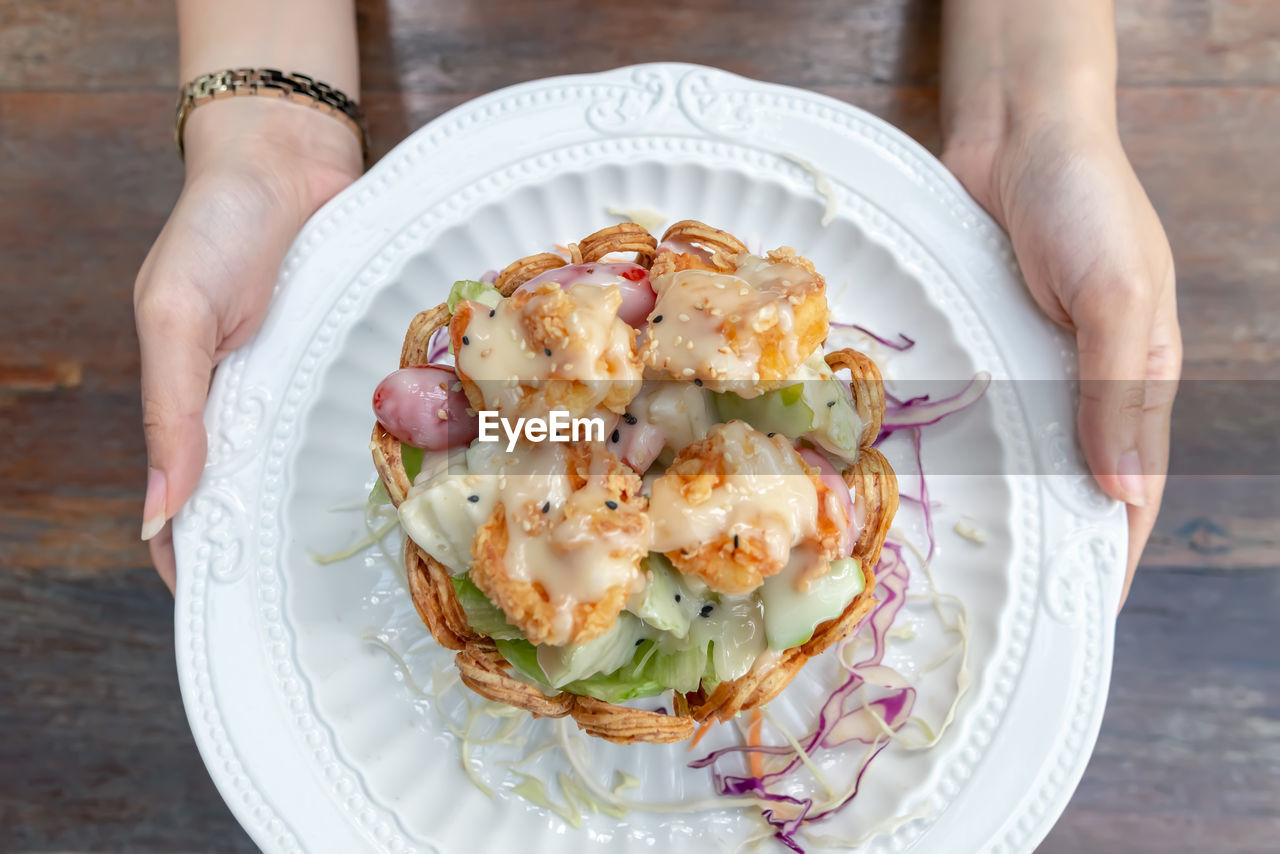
column 256, row 169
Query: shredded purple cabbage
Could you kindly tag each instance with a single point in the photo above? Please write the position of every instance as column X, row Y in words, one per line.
column 438, row 344
column 904, row 343
column 922, row 412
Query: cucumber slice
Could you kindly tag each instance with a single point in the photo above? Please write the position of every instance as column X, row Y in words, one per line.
column 733, row 629
column 790, row 616
column 782, row 410
column 668, row 603
column 472, row 290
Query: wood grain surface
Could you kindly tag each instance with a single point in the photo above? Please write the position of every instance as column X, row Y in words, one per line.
column 95, row 752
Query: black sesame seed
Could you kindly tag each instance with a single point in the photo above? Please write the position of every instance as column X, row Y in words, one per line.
column 658, row 319
column 466, row 340
column 547, row 350
column 492, row 312
column 629, row 418
column 735, row 541
column 771, row 435
column 546, row 507
column 473, row 498
column 639, row 641
column 677, row 597
column 706, row 610
column 611, row 504
column 615, row 437
column 831, row 403
column 698, row 383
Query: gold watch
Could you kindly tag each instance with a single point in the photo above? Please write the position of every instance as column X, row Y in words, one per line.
column 268, row 82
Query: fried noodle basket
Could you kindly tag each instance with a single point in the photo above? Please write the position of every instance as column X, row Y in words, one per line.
column 479, row 663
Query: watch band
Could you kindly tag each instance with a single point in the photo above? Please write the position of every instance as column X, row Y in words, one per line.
column 271, row 83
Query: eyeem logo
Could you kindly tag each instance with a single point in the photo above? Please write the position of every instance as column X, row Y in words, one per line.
column 558, row 428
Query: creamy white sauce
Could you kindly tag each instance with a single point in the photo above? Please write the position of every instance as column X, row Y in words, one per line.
column 711, row 327
column 765, row 491
column 517, row 352
column 567, row 548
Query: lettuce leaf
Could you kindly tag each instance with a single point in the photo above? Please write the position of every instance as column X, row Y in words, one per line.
column 650, row 671
column 482, row 615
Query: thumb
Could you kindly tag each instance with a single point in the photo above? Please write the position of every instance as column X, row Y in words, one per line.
column 177, row 346
column 1113, row 330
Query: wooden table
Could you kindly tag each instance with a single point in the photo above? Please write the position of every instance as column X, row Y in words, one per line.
column 95, row 752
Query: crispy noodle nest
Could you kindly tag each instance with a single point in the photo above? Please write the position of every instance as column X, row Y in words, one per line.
column 479, row 663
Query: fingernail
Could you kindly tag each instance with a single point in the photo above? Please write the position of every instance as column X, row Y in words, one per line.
column 1129, row 473
column 153, row 516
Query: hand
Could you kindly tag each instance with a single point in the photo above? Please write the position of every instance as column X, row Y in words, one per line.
column 256, row 170
column 1097, row 261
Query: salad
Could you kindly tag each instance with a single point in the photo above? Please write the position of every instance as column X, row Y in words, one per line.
column 720, row 526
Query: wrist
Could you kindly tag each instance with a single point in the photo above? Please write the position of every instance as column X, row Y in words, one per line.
column 314, row 154
column 1006, row 103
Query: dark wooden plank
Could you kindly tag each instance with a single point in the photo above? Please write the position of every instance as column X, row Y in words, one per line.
column 1206, row 158
column 443, row 46
column 96, row 751
column 1188, row 760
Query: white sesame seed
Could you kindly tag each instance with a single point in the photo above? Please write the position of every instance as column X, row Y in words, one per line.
column 677, row 341
column 689, row 345
column 442, row 415
column 684, row 318
column 688, row 372
column 715, row 312
column 742, row 292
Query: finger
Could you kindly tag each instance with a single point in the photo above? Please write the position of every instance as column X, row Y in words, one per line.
column 1164, row 367
column 162, row 556
column 177, row 343
column 1112, row 333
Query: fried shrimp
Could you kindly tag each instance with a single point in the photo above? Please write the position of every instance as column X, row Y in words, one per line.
column 737, row 506
column 734, row 323
column 547, row 348
column 561, row 552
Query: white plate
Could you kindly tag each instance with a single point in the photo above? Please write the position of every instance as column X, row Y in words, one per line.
column 313, row 736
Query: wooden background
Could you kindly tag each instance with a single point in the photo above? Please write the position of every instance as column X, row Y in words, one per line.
column 95, row 752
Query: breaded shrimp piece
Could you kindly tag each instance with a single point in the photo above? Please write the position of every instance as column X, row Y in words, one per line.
column 561, row 552
column 547, row 348
column 740, row 329
column 733, row 507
